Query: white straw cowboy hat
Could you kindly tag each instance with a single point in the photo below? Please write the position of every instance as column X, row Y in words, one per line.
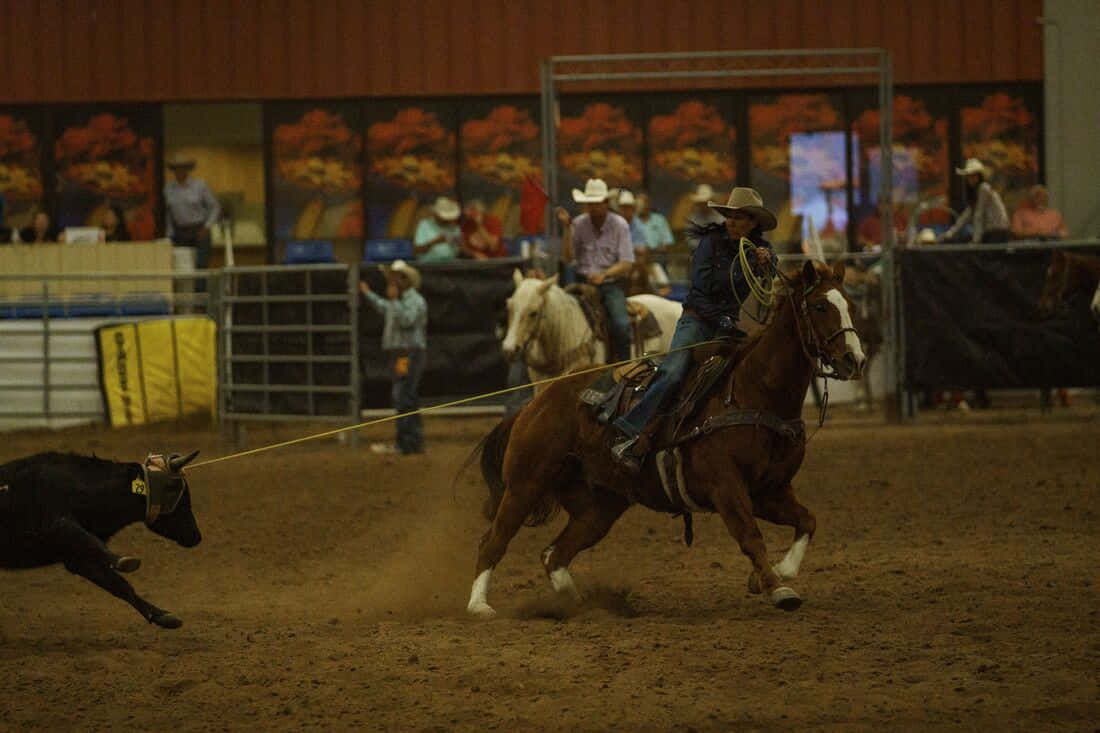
column 703, row 194
column 403, row 268
column 446, row 209
column 973, row 165
column 927, row 236
column 626, row 198
column 595, row 191
column 749, row 201
column 179, row 160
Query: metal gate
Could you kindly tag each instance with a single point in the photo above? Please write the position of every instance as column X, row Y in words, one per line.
column 288, row 345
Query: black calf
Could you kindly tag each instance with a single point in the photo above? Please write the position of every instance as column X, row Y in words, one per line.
column 64, row 508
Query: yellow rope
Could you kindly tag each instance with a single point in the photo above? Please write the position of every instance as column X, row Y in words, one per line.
column 766, row 295
column 464, row 400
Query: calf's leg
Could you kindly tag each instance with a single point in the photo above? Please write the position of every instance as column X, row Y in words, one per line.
column 116, row 585
column 68, row 536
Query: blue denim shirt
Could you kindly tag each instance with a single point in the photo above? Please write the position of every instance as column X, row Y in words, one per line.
column 710, row 295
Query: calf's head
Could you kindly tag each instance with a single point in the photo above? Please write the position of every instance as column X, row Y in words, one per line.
column 168, row 498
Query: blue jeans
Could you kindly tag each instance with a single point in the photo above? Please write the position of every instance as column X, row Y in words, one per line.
column 406, row 398
column 618, row 320
column 671, row 372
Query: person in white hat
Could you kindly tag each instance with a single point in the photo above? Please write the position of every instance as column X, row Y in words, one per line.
column 599, row 241
column 702, row 214
column 626, row 205
column 713, row 304
column 985, row 211
column 190, row 210
column 438, row 237
column 404, row 341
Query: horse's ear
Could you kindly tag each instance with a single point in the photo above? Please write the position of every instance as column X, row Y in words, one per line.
column 809, row 274
column 548, row 283
column 517, row 277
column 838, row 271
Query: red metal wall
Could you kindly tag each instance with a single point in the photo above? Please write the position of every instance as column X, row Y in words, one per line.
column 151, row 50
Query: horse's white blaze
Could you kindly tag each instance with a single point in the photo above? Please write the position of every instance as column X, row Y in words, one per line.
column 562, row 582
column 1095, row 307
column 479, row 595
column 792, row 561
column 851, row 340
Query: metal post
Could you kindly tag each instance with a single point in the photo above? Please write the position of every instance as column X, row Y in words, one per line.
column 46, row 350
column 353, row 346
column 549, row 142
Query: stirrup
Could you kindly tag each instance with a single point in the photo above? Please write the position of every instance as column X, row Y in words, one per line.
column 622, row 453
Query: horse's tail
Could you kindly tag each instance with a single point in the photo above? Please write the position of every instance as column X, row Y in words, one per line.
column 492, row 448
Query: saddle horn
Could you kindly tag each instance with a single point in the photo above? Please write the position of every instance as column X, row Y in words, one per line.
column 176, row 463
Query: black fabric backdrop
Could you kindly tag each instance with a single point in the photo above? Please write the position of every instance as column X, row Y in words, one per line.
column 972, row 320
column 466, row 301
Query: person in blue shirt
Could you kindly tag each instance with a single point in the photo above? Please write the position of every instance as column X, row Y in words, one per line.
column 627, row 204
column 403, row 339
column 438, row 237
column 710, row 310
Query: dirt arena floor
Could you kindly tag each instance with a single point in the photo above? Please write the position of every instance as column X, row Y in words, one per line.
column 952, row 584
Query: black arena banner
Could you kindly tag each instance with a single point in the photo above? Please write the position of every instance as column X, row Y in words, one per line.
column 972, row 320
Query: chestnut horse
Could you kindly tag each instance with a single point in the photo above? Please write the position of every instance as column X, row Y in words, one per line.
column 554, row 453
column 1067, row 274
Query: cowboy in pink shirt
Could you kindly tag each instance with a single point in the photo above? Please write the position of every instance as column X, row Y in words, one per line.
column 1034, row 220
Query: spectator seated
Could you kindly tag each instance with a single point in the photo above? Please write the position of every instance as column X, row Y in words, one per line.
column 387, row 250
column 308, row 251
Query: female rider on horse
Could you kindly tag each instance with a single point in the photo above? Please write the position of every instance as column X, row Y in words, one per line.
column 710, row 310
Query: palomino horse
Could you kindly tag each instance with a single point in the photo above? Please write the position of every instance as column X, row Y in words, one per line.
column 554, row 452
column 1067, row 274
column 548, row 327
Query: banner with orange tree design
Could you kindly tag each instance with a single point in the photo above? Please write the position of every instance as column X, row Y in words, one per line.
column 1001, row 129
column 692, row 140
column 599, row 138
column 106, row 156
column 20, row 164
column 411, row 159
column 317, row 171
column 500, row 148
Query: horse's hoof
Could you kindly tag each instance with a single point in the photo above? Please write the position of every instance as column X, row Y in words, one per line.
column 167, row 620
column 127, row 564
column 754, row 583
column 481, row 610
column 786, row 599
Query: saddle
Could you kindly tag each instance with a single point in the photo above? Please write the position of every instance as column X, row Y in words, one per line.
column 644, row 324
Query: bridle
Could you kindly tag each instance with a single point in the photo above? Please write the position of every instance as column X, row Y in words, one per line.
column 813, row 346
column 586, row 345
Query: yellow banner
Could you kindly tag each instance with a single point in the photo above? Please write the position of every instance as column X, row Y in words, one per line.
column 158, row 369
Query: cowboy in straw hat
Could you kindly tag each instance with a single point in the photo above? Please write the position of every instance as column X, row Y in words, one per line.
column 627, row 206
column 701, row 213
column 405, row 314
column 599, row 242
column 438, row 237
column 711, row 309
column 985, row 210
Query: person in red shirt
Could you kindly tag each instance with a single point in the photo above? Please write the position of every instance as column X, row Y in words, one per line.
column 481, row 233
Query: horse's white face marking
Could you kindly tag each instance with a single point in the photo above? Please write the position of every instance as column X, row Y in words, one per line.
column 523, row 309
column 851, row 340
column 1095, row 306
column 792, row 561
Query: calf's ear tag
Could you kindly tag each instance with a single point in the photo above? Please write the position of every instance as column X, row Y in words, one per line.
column 137, row 486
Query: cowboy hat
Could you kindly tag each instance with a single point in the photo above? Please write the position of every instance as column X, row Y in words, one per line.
column 401, row 267
column 973, row 165
column 446, row 209
column 927, row 236
column 749, row 201
column 180, row 160
column 703, row 194
column 626, row 198
column 595, row 192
